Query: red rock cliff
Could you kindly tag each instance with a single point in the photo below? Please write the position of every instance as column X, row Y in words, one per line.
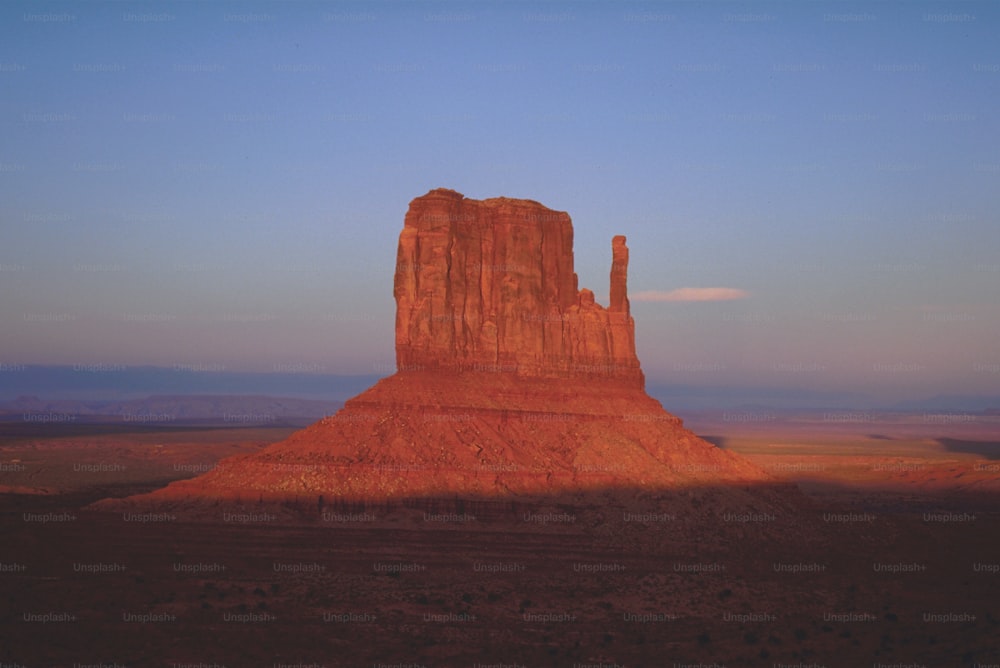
column 488, row 285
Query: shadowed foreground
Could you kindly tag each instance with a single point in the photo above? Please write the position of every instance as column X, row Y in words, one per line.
column 557, row 581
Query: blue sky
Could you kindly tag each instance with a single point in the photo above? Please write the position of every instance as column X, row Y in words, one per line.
column 222, row 184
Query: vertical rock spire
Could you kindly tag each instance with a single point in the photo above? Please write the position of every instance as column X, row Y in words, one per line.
column 619, row 276
column 620, row 324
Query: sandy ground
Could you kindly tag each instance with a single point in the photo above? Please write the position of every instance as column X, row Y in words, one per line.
column 900, row 565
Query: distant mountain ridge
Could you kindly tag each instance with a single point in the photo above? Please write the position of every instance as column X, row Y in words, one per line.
column 989, row 405
column 89, row 383
column 165, row 409
column 107, row 382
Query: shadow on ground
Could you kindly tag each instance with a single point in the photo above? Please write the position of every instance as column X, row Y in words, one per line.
column 987, row 449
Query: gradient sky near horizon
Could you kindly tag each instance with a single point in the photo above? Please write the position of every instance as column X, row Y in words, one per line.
column 810, row 191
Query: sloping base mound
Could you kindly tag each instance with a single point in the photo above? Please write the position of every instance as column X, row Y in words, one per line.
column 493, row 440
column 414, row 435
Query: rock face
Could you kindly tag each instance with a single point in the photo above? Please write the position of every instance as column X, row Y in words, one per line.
column 512, row 384
column 489, row 286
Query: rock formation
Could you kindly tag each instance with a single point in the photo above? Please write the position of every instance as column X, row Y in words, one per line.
column 512, row 384
column 489, row 286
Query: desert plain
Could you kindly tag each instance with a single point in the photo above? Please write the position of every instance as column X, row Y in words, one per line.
column 891, row 559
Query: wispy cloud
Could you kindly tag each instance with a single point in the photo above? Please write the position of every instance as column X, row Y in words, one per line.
column 690, row 295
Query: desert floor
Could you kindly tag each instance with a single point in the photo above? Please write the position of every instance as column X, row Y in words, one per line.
column 896, row 563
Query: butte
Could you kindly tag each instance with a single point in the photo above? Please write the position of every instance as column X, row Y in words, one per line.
column 513, row 386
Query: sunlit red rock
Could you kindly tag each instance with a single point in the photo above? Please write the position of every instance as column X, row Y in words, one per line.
column 490, row 285
column 512, row 382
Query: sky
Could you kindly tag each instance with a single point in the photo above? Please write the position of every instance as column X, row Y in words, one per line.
column 810, row 191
